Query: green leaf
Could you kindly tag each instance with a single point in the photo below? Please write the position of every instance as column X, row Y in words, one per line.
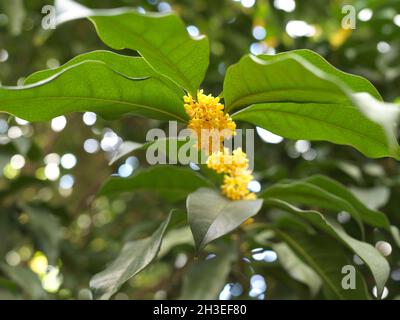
column 134, row 257
column 101, row 90
column 162, row 40
column 297, row 268
column 211, row 215
column 298, row 95
column 172, row 183
column 198, row 284
column 299, row 76
column 327, row 259
column 372, row 217
column 27, row 280
column 176, row 237
column 302, row 192
column 377, row 264
column 131, row 67
column 169, row 146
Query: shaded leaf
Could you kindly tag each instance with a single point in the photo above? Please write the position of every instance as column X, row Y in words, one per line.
column 45, row 229
column 296, row 268
column 326, row 193
column 27, row 280
column 198, row 284
column 377, row 264
column 171, row 182
column 134, row 257
column 15, row 10
column 327, row 263
column 211, row 215
column 368, row 215
column 301, row 192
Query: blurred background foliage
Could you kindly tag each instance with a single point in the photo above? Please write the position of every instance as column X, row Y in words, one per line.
column 55, row 233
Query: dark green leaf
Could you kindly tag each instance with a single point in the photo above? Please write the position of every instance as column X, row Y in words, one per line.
column 198, row 284
column 296, row 268
column 373, row 217
column 173, row 183
column 377, row 264
column 134, row 257
column 45, row 229
column 27, row 280
column 327, row 259
column 211, row 215
column 163, row 145
column 176, row 237
column 301, row 192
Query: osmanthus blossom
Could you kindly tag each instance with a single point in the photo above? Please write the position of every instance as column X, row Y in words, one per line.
column 207, row 113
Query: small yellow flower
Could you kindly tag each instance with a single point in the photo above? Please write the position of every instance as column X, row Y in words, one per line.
column 224, row 162
column 235, row 187
column 207, row 118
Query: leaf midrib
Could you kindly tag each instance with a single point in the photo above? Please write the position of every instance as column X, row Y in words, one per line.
column 311, row 118
column 237, row 102
column 161, row 54
column 311, row 261
column 324, row 195
column 214, row 220
column 102, row 100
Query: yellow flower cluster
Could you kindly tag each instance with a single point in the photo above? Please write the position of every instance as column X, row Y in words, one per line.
column 207, row 115
column 237, row 173
column 207, row 120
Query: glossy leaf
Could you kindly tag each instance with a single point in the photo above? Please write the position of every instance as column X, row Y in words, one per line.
column 198, row 284
column 211, row 215
column 162, row 40
column 102, row 90
column 377, row 264
column 302, row 192
column 134, row 257
column 171, row 182
column 298, row 95
column 131, row 67
column 327, row 263
column 296, row 268
column 372, row 217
